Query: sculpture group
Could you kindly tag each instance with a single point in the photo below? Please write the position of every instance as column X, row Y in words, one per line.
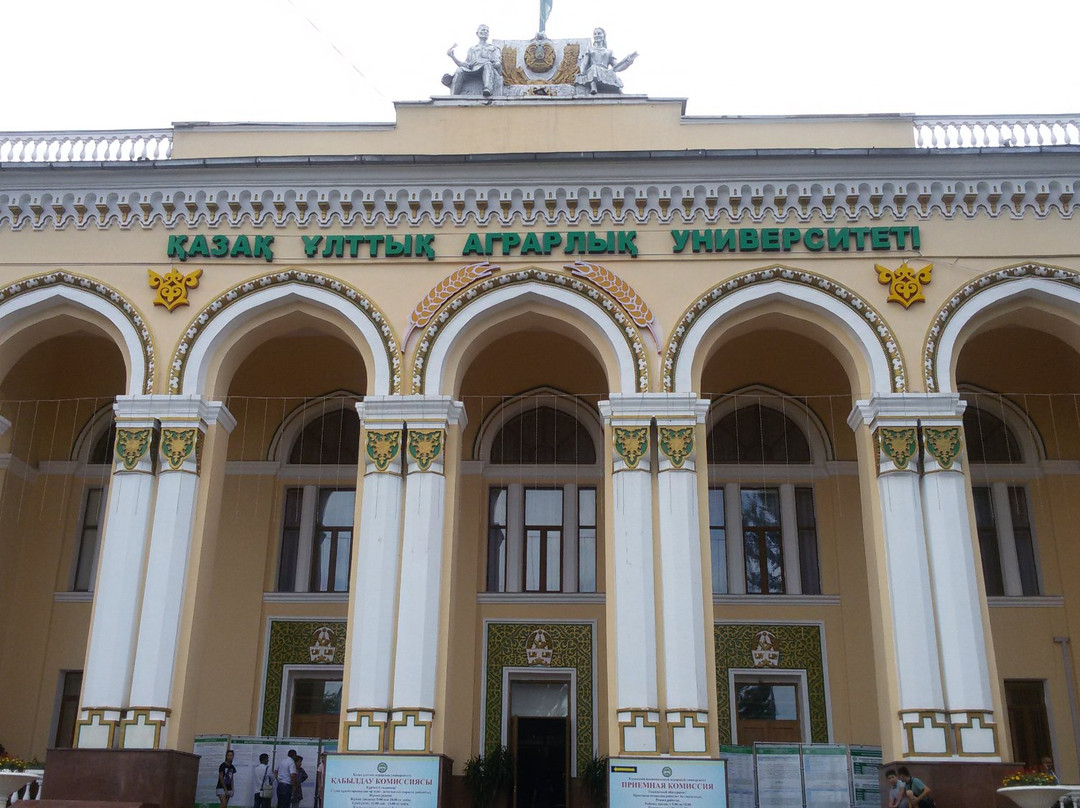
column 534, row 67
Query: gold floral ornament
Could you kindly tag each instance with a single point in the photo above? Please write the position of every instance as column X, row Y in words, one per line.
column 131, row 445
column 677, row 444
column 177, row 445
column 905, row 283
column 425, row 447
column 631, row 444
column 172, row 287
column 898, row 445
column 943, row 444
column 383, row 446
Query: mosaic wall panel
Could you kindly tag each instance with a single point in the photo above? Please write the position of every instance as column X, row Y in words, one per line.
column 565, row 645
column 787, row 647
column 297, row 642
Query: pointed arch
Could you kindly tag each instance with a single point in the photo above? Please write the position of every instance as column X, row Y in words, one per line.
column 216, row 325
column 852, row 316
column 28, row 300
column 608, row 319
column 979, row 300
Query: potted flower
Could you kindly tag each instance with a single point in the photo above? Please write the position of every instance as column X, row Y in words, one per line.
column 12, row 776
column 1031, row 788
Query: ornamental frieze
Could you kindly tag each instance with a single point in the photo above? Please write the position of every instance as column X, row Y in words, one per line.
column 132, row 445
column 383, row 446
column 899, row 445
column 631, row 444
column 177, row 445
column 943, row 444
column 425, row 447
column 676, row 443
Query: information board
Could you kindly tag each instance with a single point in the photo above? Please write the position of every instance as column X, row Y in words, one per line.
column 381, row 781
column 666, row 783
column 246, row 753
column 826, row 781
column 779, row 774
column 211, row 751
column 741, row 789
column 866, row 776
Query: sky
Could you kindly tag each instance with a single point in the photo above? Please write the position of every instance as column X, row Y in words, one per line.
column 123, row 64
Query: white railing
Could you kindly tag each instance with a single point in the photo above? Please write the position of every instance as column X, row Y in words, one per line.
column 968, row 132
column 101, row 146
column 31, row 791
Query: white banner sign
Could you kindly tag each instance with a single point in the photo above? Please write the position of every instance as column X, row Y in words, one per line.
column 381, row 781
column 666, row 783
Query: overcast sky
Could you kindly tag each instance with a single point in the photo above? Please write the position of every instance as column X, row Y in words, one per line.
column 106, row 64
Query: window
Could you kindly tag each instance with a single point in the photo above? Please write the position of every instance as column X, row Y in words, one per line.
column 541, row 530
column 67, row 709
column 767, row 711
column 317, row 520
column 86, row 560
column 1025, row 701
column 763, row 538
column 316, row 539
column 555, row 530
column 1002, row 514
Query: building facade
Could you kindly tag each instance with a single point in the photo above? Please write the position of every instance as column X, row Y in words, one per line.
column 573, row 425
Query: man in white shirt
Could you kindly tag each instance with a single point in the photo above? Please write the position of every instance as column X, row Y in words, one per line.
column 287, row 782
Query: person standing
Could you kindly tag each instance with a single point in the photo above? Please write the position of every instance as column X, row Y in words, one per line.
column 225, row 774
column 301, row 776
column 263, row 779
column 287, row 781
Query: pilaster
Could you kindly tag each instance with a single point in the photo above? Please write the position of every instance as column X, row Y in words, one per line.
column 631, row 610
column 184, row 421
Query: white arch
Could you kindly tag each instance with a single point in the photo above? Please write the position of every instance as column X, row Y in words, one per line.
column 472, row 315
column 297, row 420
column 221, row 328
column 800, row 295
column 27, row 306
column 1021, row 289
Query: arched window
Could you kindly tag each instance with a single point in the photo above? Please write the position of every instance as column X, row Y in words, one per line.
column 543, row 507
column 100, row 437
column 1002, row 515
column 763, row 534
column 317, row 522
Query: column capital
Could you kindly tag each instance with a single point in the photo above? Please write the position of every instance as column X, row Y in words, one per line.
column 669, row 409
column 171, row 410
column 907, row 409
column 419, row 412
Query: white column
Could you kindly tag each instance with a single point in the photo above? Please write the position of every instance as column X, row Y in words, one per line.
column 893, row 423
column 184, row 421
column 633, row 618
column 955, row 571
column 686, row 690
column 114, row 622
column 416, row 662
column 373, row 599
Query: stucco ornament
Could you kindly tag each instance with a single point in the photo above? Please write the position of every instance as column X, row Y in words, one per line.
column 322, row 645
column 383, row 446
column 766, row 650
column 172, row 287
column 905, row 283
column 538, row 648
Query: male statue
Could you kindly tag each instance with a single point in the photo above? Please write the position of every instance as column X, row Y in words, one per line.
column 484, row 61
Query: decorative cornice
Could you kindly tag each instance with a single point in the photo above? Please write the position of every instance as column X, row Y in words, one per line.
column 778, row 272
column 109, row 295
column 361, row 302
column 971, row 290
column 404, row 199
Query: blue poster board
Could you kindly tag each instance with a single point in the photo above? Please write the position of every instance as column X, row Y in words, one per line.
column 667, row 783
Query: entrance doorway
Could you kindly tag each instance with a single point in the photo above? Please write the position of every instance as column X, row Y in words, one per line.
column 540, row 732
column 767, row 712
column 316, row 708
